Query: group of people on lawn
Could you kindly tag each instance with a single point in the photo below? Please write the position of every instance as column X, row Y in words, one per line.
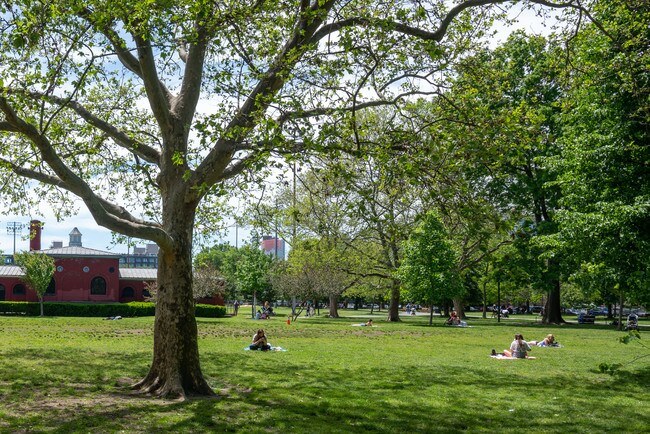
column 519, row 348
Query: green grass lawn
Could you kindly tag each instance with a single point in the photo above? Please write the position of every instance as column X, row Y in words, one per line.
column 72, row 375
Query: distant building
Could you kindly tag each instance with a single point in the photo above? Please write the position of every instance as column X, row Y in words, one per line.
column 142, row 257
column 273, row 246
column 84, row 274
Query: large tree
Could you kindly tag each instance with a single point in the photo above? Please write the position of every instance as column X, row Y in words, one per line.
column 506, row 103
column 100, row 101
column 603, row 166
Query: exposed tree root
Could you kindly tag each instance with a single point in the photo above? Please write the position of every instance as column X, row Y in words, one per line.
column 172, row 388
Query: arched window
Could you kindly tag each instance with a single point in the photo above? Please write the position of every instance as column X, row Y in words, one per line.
column 2, row 292
column 98, row 286
column 51, row 288
column 19, row 289
column 128, row 292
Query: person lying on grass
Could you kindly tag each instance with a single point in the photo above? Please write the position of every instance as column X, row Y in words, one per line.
column 365, row 324
column 548, row 341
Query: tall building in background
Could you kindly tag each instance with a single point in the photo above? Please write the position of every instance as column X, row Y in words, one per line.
column 273, row 246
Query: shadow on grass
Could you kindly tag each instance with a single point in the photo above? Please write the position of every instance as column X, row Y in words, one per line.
column 312, row 400
column 274, row 393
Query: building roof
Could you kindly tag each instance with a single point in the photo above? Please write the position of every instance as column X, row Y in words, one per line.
column 125, row 273
column 11, row 271
column 138, row 273
column 78, row 252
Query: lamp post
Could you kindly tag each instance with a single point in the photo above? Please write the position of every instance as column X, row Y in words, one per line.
column 14, row 228
column 499, row 299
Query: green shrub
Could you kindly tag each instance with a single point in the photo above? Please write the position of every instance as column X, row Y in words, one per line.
column 105, row 310
column 210, row 311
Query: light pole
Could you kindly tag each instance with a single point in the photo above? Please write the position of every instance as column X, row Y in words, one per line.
column 14, row 228
column 499, row 299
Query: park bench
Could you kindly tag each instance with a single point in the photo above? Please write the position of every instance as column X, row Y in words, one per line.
column 586, row 319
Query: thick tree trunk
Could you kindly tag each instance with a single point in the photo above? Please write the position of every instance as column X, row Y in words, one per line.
column 393, row 310
column 458, row 307
column 175, row 370
column 553, row 309
column 334, row 313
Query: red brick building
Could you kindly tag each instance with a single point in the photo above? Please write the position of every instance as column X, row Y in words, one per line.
column 81, row 275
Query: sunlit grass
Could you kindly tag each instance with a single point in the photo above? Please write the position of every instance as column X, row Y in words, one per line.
column 72, row 375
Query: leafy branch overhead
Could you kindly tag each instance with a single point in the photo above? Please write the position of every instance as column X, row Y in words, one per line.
column 141, row 98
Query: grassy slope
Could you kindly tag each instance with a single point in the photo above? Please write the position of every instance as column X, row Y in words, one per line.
column 70, row 375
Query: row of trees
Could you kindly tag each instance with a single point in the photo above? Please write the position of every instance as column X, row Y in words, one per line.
column 536, row 168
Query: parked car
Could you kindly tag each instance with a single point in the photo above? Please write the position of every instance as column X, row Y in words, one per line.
column 597, row 311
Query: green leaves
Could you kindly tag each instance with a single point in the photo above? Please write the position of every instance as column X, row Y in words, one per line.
column 429, row 269
column 38, row 269
column 602, row 168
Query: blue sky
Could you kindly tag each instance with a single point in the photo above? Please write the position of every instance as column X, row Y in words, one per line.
column 93, row 236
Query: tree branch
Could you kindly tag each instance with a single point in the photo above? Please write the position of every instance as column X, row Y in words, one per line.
column 184, row 105
column 160, row 98
column 105, row 214
column 119, row 45
column 323, row 111
column 435, row 35
column 143, row 66
column 6, row 126
column 260, row 98
column 145, row 152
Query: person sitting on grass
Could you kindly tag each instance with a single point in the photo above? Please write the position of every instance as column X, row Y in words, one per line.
column 453, row 319
column 518, row 348
column 259, row 341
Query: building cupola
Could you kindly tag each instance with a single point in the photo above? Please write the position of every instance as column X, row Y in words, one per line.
column 75, row 238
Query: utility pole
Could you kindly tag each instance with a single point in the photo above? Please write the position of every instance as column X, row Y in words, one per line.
column 293, row 230
column 14, row 228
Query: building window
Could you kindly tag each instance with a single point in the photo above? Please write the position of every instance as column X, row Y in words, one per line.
column 2, row 292
column 128, row 292
column 19, row 289
column 111, row 269
column 98, row 286
column 51, row 288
